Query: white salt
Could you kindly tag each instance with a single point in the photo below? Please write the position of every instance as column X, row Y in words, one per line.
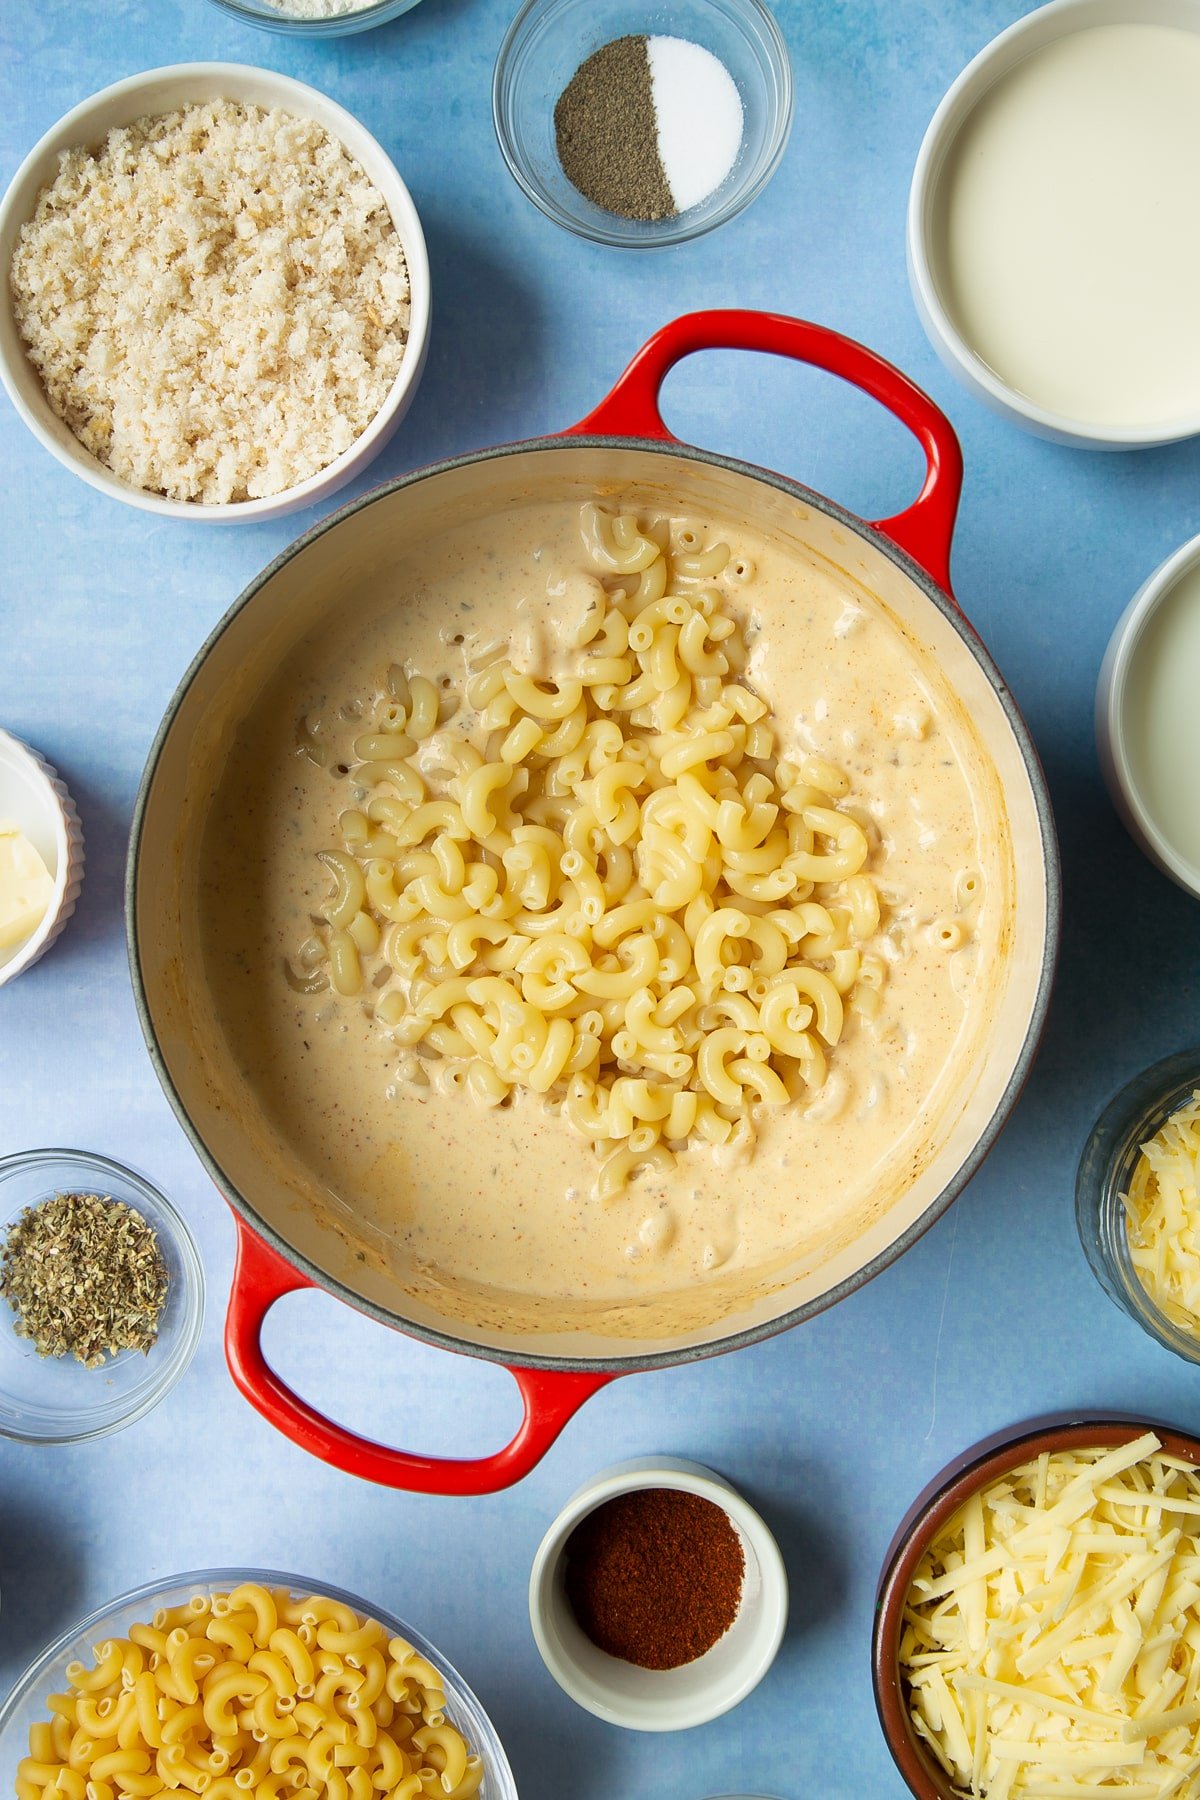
column 699, row 113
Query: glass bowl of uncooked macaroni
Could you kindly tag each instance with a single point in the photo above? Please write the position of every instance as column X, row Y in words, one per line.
column 274, row 1674
column 315, row 18
column 1137, row 1204
column 58, row 1397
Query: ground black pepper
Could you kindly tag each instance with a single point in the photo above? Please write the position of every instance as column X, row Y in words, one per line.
column 655, row 1576
column 606, row 132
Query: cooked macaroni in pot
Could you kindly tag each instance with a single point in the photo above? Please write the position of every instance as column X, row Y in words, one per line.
column 605, row 916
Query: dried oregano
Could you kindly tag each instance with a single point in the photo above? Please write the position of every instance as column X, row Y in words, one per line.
column 85, row 1277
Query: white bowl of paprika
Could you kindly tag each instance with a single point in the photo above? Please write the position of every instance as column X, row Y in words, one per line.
column 658, row 1598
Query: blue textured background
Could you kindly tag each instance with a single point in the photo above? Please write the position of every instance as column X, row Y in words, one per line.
column 994, row 1316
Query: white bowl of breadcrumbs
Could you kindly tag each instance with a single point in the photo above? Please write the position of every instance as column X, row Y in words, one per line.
column 216, row 293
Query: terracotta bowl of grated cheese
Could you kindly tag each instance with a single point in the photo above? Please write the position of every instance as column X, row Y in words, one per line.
column 1035, row 1623
column 198, row 366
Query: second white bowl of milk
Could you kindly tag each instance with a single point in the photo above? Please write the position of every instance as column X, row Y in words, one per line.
column 1050, row 243
column 1148, row 719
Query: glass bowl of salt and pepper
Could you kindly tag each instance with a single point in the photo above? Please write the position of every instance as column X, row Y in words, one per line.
column 639, row 130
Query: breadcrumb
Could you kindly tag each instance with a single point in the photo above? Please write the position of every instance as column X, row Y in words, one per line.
column 216, row 301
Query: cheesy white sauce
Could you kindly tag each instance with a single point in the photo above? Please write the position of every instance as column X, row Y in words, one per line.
column 498, row 1208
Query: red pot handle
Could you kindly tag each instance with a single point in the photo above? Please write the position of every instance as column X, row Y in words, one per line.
column 261, row 1276
column 924, row 530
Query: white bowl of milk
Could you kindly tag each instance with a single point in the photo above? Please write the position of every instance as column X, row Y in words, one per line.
column 1148, row 717
column 1051, row 248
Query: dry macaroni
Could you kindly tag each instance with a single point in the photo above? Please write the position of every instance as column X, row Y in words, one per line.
column 251, row 1695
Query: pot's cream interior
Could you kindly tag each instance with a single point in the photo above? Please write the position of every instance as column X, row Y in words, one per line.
column 338, row 584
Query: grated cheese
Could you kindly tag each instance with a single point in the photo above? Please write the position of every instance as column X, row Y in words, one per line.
column 1051, row 1644
column 1162, row 1217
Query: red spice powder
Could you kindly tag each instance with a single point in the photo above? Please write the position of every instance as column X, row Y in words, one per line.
column 655, row 1576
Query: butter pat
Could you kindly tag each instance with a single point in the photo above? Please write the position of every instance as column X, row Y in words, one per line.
column 26, row 886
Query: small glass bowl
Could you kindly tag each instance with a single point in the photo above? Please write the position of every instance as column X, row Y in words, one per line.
column 546, row 43
column 54, row 1399
column 267, row 18
column 1105, row 1171
column 27, row 1702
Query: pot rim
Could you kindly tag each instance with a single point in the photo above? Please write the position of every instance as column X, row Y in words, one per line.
column 983, row 1462
column 445, row 1339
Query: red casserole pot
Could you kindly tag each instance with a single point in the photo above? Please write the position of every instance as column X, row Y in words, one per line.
column 284, row 1245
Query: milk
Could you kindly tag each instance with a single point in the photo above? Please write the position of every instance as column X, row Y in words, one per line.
column 1162, row 717
column 1070, row 248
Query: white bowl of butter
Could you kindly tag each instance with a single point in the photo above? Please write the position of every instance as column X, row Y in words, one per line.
column 1147, row 721
column 41, row 856
column 1049, row 247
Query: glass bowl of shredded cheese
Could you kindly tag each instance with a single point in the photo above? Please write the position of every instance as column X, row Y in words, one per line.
column 82, row 1357
column 1137, row 1202
column 340, row 1672
column 1035, row 1626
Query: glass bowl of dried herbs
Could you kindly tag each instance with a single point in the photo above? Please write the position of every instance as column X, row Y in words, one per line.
column 101, row 1296
column 638, row 126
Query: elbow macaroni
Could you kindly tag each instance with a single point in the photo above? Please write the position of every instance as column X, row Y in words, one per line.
column 253, row 1695
column 591, row 865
